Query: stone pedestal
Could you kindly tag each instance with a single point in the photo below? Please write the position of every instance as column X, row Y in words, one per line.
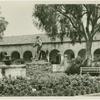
column 38, row 66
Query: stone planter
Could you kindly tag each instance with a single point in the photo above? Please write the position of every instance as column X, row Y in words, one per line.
column 12, row 70
column 7, row 62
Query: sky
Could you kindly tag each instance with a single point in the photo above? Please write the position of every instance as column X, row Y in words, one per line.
column 19, row 16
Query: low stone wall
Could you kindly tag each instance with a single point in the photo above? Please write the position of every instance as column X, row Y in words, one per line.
column 12, row 70
column 38, row 66
column 58, row 68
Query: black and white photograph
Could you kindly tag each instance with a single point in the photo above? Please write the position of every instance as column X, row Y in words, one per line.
column 49, row 49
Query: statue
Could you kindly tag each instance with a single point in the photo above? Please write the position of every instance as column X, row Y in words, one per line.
column 38, row 44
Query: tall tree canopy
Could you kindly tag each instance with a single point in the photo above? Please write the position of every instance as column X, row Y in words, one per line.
column 3, row 25
column 70, row 20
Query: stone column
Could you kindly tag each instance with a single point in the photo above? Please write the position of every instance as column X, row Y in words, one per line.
column 9, row 53
column 66, row 63
column 62, row 59
column 21, row 55
column 61, row 67
column 47, row 55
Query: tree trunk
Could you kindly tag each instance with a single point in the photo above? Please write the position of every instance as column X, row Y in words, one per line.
column 88, row 52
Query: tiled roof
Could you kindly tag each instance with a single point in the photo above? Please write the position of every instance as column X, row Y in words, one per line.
column 26, row 39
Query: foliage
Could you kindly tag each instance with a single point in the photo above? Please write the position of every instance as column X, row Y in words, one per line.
column 47, row 84
column 14, row 87
column 68, row 20
column 58, row 84
column 96, row 64
column 76, row 64
column 76, row 21
column 3, row 25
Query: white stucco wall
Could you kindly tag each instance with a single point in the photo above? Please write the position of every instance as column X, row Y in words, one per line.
column 61, row 47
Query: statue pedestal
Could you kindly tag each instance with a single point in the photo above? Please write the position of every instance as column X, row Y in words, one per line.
column 38, row 66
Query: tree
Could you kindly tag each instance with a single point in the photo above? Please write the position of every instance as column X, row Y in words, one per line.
column 3, row 25
column 77, row 22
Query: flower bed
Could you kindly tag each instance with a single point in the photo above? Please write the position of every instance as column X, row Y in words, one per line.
column 58, row 84
column 47, row 84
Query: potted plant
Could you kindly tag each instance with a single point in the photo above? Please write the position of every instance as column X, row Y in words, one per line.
column 7, row 60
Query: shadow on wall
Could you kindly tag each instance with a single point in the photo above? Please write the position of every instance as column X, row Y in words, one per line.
column 15, row 55
column 55, row 57
column 70, row 54
column 97, row 55
column 2, row 55
column 27, row 56
column 82, row 53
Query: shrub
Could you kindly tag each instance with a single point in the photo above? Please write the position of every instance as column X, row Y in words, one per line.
column 18, row 61
column 47, row 84
column 63, row 85
column 75, row 65
column 15, row 87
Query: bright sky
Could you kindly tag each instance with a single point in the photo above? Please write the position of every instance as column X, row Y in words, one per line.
column 19, row 16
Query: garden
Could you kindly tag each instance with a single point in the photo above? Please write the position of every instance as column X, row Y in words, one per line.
column 47, row 84
column 41, row 81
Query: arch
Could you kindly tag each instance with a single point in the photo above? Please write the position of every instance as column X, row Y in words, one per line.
column 54, row 57
column 2, row 55
column 82, row 53
column 43, row 55
column 70, row 53
column 15, row 55
column 97, row 54
column 27, row 55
